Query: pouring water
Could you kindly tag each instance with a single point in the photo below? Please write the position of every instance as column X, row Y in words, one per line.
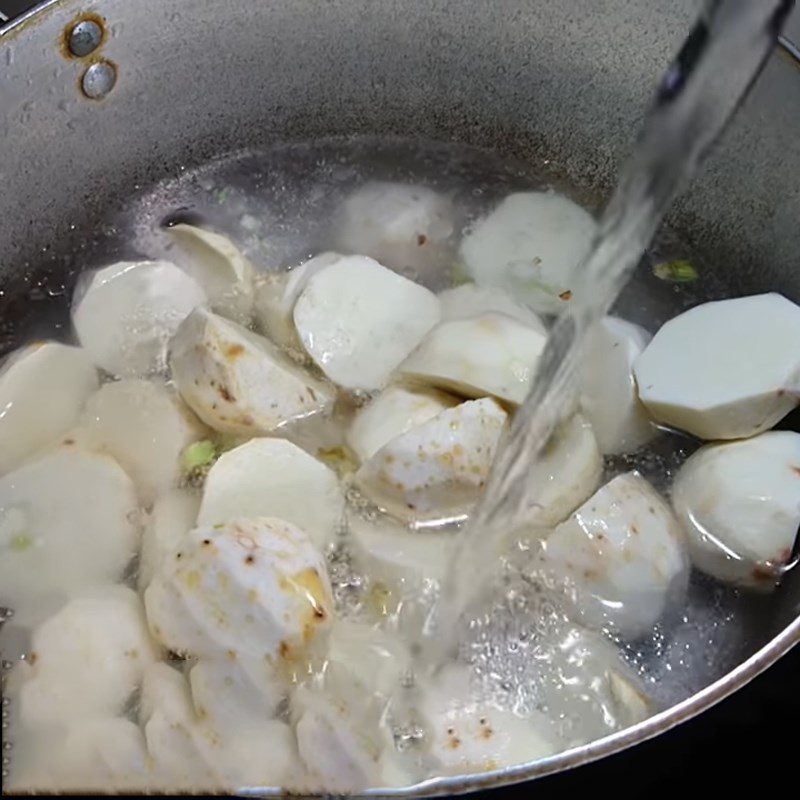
column 697, row 96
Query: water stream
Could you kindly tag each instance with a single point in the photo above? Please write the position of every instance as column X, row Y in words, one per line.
column 697, row 96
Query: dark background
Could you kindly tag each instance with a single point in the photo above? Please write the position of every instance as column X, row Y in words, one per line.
column 746, row 742
column 11, row 8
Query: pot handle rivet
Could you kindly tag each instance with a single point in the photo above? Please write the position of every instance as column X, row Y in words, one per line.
column 84, row 38
column 99, row 80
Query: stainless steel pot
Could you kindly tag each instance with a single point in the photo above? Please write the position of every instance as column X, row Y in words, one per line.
column 174, row 84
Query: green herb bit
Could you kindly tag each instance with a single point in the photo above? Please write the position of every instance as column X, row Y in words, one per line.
column 341, row 459
column 21, row 542
column 198, row 455
column 678, row 271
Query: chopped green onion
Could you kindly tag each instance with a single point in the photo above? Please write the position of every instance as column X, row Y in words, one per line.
column 341, row 459
column 21, row 542
column 198, row 455
column 679, row 271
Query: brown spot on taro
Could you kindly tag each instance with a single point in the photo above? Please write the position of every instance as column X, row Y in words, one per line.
column 601, row 537
column 454, row 742
column 763, row 574
column 179, row 556
column 225, row 394
column 450, row 731
column 634, row 529
column 312, row 393
column 33, row 658
column 250, row 559
column 206, row 542
column 567, row 295
column 651, row 509
column 388, row 459
column 233, row 351
column 69, row 441
column 781, row 392
column 232, row 655
column 284, row 650
column 796, row 470
column 590, row 574
column 421, row 239
column 487, row 733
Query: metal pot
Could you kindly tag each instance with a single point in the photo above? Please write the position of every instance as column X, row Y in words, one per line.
column 160, row 87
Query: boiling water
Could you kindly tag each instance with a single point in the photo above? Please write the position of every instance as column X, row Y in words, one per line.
column 280, row 206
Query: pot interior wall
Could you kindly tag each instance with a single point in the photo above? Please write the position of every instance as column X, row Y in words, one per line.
column 541, row 81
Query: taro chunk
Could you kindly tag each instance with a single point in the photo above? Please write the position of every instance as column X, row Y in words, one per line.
column 238, row 382
column 274, row 478
column 251, row 586
column 395, row 411
column 438, row 469
column 220, row 268
column 530, row 245
column 42, row 390
column 67, row 521
column 145, row 427
column 491, row 354
column 739, row 503
column 608, row 390
column 724, row 370
column 87, row 659
column 402, row 226
column 358, row 321
column 620, row 556
column 127, row 313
